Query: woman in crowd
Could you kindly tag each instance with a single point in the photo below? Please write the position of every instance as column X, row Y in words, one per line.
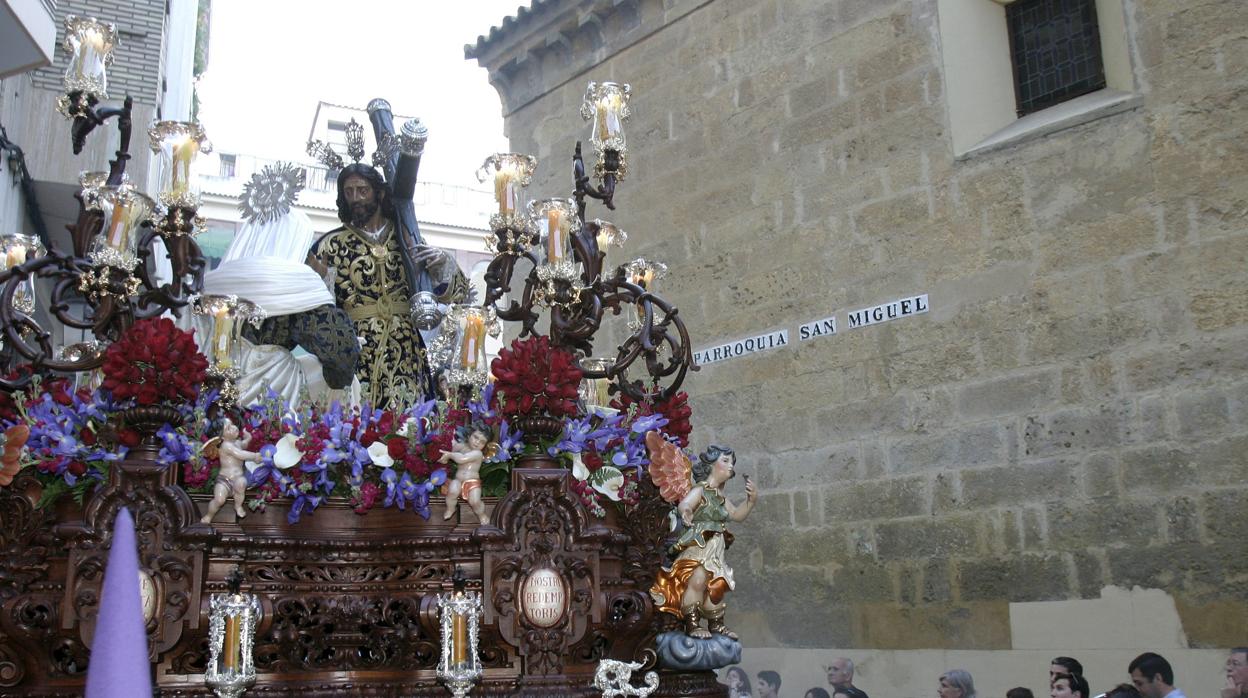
column 738, row 682
column 956, row 683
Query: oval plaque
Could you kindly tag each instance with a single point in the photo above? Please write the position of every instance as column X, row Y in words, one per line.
column 543, row 597
column 148, row 596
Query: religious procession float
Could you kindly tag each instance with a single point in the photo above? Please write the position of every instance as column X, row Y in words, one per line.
column 381, row 514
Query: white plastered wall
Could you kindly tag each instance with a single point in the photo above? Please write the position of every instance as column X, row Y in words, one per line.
column 975, row 52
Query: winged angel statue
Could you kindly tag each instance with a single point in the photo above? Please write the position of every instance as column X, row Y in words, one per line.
column 694, row 586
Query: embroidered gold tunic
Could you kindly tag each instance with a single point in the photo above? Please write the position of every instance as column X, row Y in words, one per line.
column 370, row 283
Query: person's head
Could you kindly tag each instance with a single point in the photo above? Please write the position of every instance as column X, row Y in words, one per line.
column 1237, row 666
column 768, row 684
column 362, row 193
column 1152, row 675
column 1064, row 665
column 738, row 679
column 229, row 430
column 478, row 438
column 1019, row 692
column 956, row 683
column 841, row 672
column 714, row 457
column 817, row 692
column 1069, row 686
column 1122, row 690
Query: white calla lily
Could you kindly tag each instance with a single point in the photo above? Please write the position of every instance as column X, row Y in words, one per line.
column 579, row 471
column 287, row 456
column 380, row 454
column 407, row 428
column 608, row 481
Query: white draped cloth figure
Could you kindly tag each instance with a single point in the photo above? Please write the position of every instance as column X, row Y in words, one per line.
column 265, row 265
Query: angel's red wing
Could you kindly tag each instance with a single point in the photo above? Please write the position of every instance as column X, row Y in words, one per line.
column 10, row 462
column 670, row 468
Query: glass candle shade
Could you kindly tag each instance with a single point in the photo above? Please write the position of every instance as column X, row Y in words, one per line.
column 220, row 330
column 125, row 210
column 511, row 172
column 459, row 667
column 90, row 44
column 595, row 392
column 232, row 625
column 606, row 107
column 177, row 145
column 15, row 250
column 609, row 235
column 644, row 273
column 472, row 340
column 556, row 222
column 461, row 346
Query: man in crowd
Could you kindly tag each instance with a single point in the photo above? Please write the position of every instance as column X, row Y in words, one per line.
column 1236, row 674
column 768, row 684
column 1153, row 677
column 841, row 677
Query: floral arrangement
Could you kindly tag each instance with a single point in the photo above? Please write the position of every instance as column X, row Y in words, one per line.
column 74, row 435
column 309, row 452
column 154, row 362
column 533, row 377
column 373, row 457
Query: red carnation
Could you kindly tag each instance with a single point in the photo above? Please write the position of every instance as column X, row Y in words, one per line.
column 397, row 448
column 676, row 409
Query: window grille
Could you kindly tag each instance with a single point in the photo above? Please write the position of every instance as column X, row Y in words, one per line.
column 1056, row 49
column 228, row 163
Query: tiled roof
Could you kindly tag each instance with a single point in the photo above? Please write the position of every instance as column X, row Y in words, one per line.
column 524, row 15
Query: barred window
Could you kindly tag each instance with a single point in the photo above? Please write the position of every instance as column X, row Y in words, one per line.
column 1056, row 50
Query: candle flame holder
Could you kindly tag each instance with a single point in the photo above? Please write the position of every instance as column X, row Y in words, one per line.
column 90, row 45
column 460, row 612
column 232, row 622
column 511, row 173
column 459, row 349
column 219, row 332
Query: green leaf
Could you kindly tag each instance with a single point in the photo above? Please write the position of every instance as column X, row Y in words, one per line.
column 52, row 491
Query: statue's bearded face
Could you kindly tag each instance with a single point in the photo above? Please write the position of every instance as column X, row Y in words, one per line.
column 362, row 199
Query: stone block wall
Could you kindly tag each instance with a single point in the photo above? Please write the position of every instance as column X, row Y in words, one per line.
column 1071, row 415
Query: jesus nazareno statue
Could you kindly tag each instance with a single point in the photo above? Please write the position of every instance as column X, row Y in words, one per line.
column 377, row 262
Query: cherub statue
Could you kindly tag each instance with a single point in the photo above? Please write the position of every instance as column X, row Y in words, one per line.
column 232, row 475
column 695, row 585
column 467, row 483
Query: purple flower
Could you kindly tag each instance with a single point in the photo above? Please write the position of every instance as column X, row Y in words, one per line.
column 480, row 409
column 510, row 441
column 437, row 478
column 650, row 422
column 175, row 448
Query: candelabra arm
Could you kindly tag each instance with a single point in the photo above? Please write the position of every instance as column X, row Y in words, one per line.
column 582, row 187
column 88, row 117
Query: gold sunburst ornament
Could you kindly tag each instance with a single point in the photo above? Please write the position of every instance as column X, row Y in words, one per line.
column 271, row 192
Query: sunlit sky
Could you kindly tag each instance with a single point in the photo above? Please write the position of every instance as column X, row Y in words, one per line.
column 271, row 61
